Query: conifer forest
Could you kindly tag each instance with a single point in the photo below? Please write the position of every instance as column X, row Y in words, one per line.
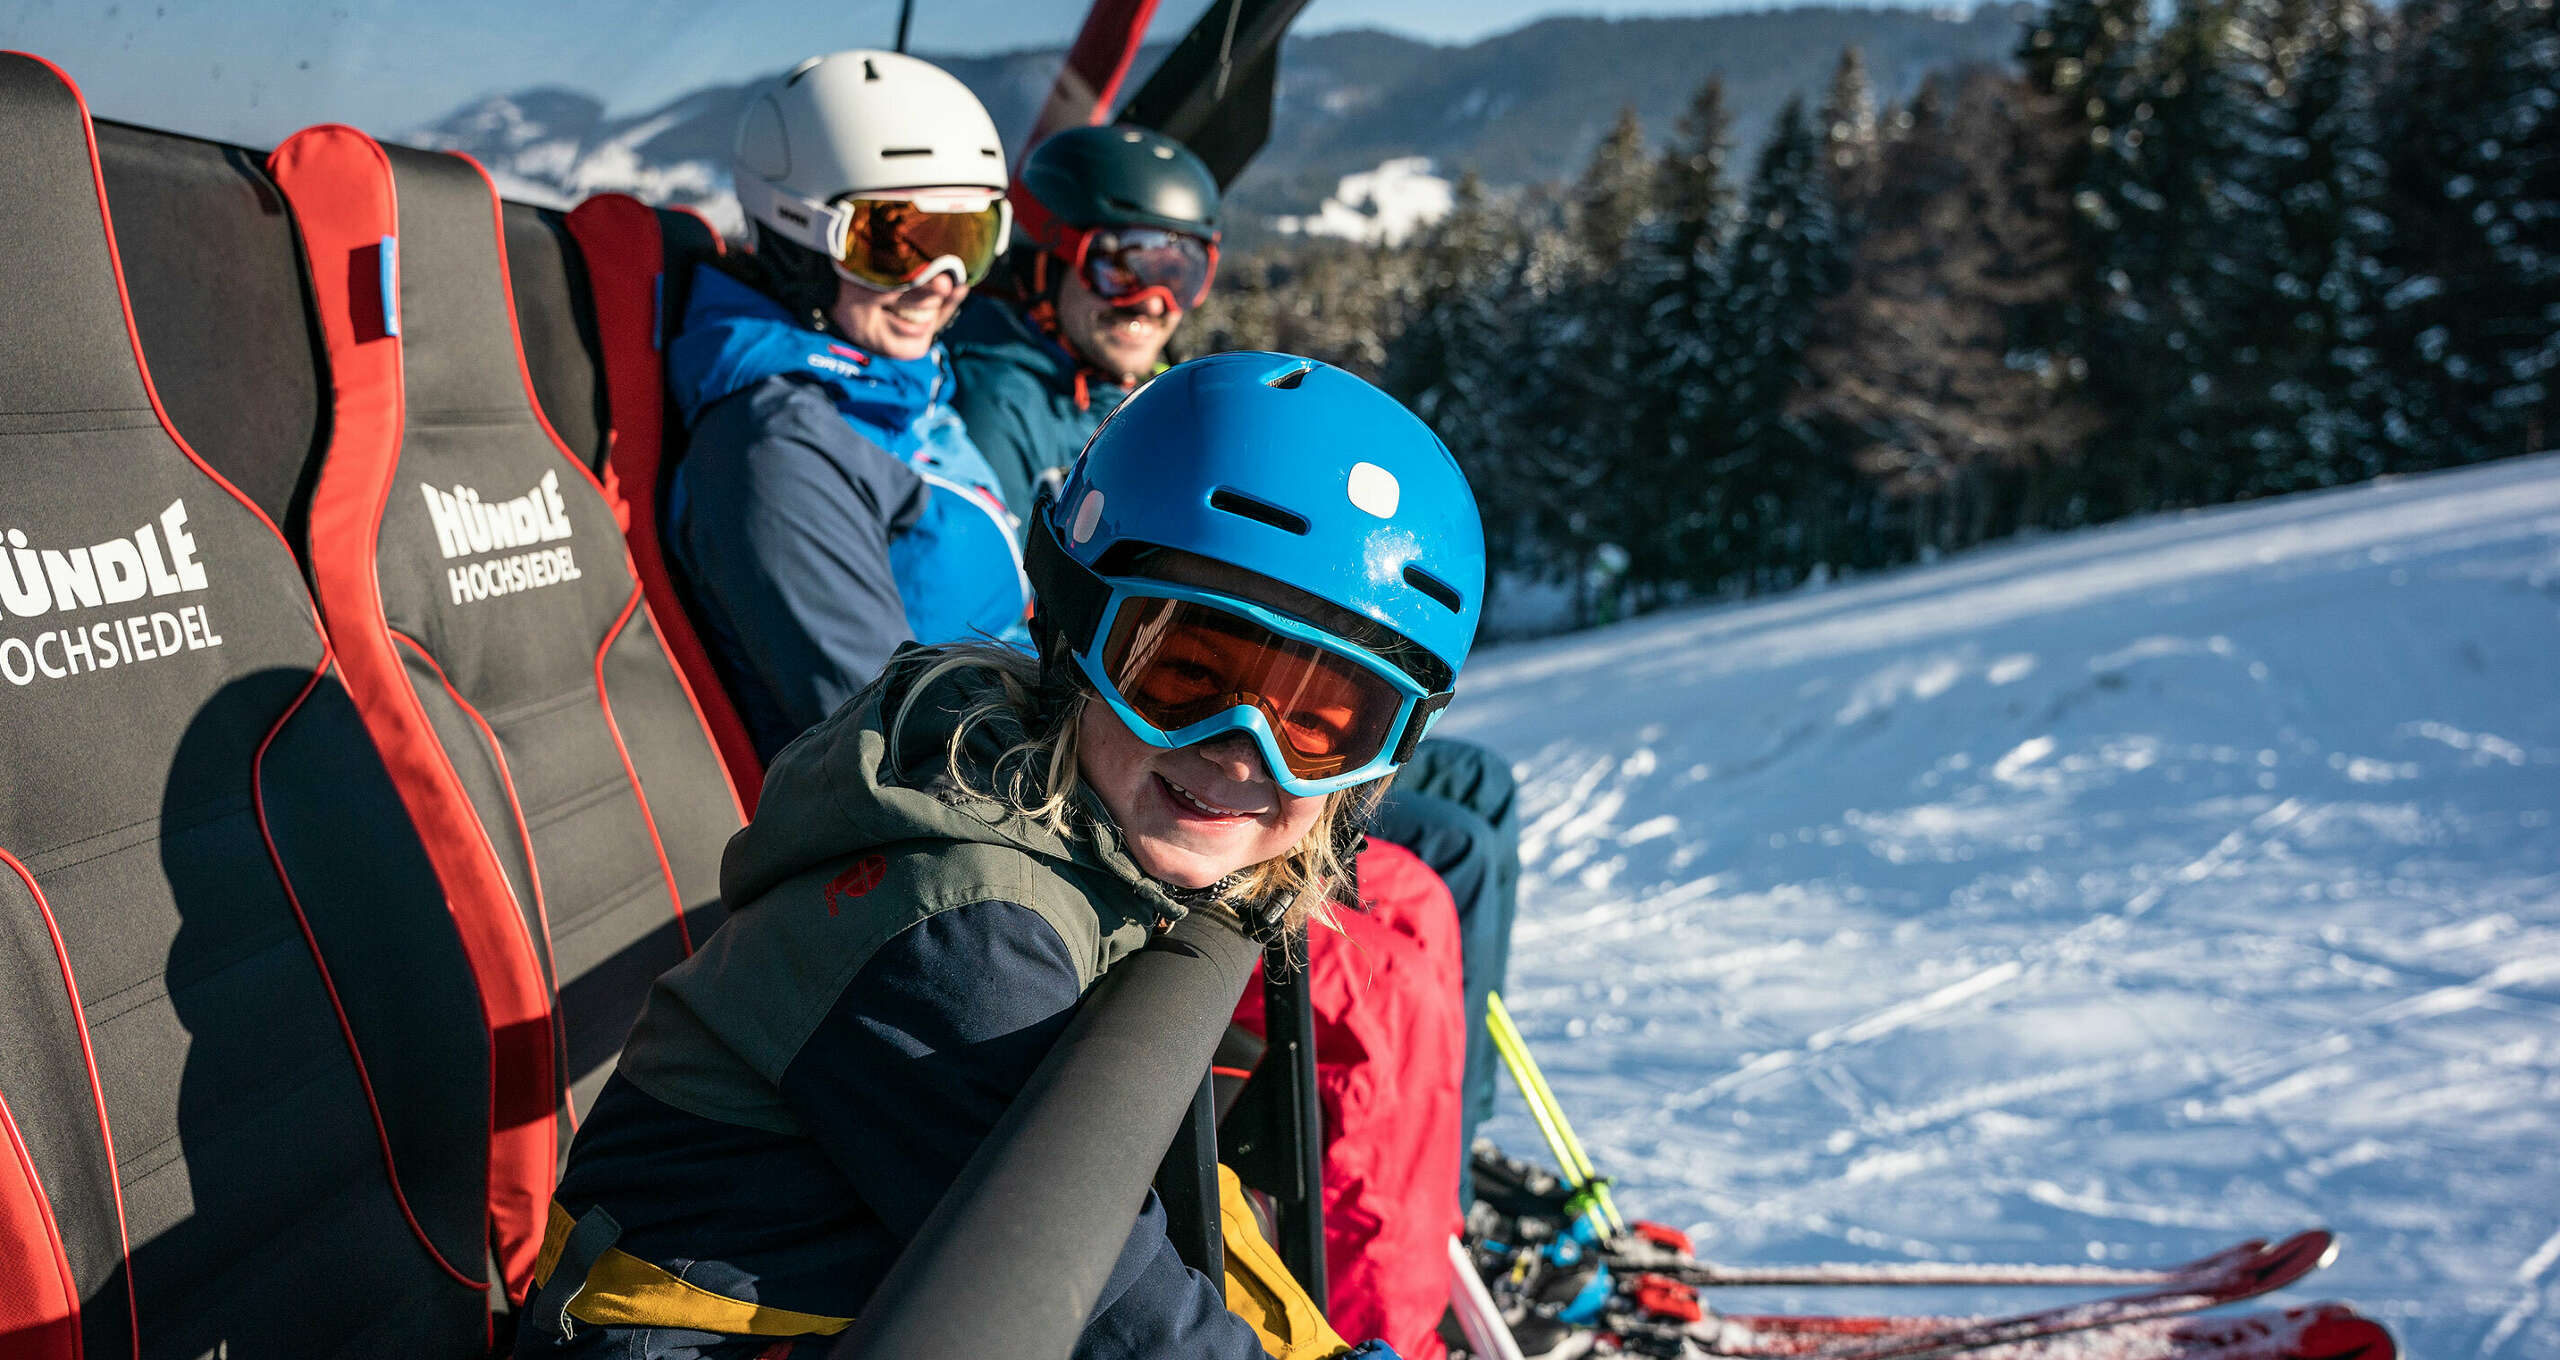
column 2167, row 257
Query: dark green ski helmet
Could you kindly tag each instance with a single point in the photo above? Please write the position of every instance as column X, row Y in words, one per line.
column 1116, row 176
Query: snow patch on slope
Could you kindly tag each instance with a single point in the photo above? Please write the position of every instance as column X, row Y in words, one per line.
column 1379, row 207
column 2103, row 898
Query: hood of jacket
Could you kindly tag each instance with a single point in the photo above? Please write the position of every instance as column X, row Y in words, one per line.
column 839, row 790
column 735, row 337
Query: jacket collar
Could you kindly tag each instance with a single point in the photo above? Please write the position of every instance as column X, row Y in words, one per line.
column 735, row 337
column 839, row 789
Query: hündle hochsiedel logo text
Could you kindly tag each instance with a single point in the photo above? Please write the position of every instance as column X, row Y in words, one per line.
column 154, row 561
column 467, row 526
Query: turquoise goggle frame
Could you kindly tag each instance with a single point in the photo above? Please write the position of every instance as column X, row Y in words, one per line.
column 1246, row 717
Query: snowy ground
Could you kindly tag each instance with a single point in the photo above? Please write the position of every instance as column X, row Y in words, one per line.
column 2109, row 897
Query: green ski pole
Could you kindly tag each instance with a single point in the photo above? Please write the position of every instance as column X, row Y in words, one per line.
column 1538, row 1110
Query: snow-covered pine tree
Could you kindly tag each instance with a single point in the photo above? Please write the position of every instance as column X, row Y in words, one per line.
column 2328, row 410
column 2230, row 283
column 2171, row 357
column 2475, row 207
column 1850, row 140
column 1953, row 425
column 1453, row 360
column 1581, row 446
column 1685, row 388
column 1615, row 193
column 2089, row 55
column 2086, row 49
column 1783, row 262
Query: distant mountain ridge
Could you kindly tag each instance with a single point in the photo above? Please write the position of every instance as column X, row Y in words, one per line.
column 1521, row 107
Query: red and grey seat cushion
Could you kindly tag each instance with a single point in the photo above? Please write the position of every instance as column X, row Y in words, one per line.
column 243, row 1079
column 493, row 631
column 639, row 265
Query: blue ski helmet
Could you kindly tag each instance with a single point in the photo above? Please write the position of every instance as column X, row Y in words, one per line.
column 1290, row 469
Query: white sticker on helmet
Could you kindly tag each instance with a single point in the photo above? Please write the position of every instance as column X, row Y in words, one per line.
column 1375, row 490
column 1088, row 515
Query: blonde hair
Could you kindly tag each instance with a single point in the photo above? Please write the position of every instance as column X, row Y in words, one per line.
column 1036, row 776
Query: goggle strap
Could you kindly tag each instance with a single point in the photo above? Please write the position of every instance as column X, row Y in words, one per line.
column 1416, row 722
column 816, row 226
column 1070, row 595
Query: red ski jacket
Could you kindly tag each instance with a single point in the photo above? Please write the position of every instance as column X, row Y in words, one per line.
column 1390, row 1050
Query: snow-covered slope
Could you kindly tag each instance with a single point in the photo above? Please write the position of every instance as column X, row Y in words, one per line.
column 2106, row 897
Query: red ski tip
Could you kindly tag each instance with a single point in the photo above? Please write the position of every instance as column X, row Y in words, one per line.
column 2344, row 1336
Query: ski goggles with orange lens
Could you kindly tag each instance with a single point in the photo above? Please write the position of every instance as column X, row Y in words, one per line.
column 1181, row 666
column 898, row 242
column 1122, row 265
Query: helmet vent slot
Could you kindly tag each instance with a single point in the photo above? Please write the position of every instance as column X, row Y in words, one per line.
column 1288, row 379
column 893, row 152
column 1235, row 502
column 869, row 71
column 1434, row 587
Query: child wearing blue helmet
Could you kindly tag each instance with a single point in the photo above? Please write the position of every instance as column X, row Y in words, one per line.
column 1232, row 660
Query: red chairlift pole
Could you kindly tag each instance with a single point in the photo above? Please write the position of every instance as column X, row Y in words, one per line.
column 1096, row 67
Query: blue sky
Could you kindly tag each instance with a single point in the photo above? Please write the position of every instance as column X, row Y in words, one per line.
column 254, row 70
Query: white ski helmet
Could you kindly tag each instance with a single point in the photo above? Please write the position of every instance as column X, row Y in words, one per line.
column 858, row 123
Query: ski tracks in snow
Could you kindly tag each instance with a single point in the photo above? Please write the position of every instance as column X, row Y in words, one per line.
column 2093, row 899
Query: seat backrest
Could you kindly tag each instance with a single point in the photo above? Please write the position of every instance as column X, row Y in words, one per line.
column 473, row 576
column 243, row 1080
column 557, row 324
column 639, row 264
column 222, row 308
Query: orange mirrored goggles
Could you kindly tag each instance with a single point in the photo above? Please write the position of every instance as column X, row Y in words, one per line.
column 1186, row 670
column 892, row 243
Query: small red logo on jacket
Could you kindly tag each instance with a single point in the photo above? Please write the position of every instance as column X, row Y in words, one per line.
column 857, row 881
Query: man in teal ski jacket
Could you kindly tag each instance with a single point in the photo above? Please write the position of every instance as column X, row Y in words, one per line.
column 1126, row 224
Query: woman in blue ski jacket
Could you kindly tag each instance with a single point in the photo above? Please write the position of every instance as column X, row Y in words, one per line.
column 831, row 505
column 937, row 874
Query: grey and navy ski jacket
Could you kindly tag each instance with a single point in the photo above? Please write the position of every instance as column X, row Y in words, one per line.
column 797, row 1096
column 831, row 506
column 1029, row 404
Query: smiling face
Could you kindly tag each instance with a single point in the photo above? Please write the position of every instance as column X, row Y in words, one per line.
column 1195, row 814
column 1125, row 342
column 899, row 324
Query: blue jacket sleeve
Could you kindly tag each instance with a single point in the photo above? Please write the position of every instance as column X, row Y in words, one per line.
column 782, row 526
column 917, row 1060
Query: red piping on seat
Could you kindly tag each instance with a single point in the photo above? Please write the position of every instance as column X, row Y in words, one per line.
column 364, row 1077
column 339, row 183
column 133, row 333
column 515, row 805
column 88, row 1056
column 612, row 231
column 604, row 700
column 533, row 403
column 45, row 1321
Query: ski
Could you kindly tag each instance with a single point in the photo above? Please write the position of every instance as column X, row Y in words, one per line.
column 2233, row 1276
column 1639, row 1252
column 2328, row 1331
